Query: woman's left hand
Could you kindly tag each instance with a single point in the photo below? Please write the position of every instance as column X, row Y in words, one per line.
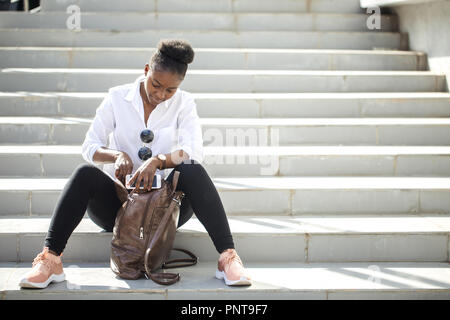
column 146, row 172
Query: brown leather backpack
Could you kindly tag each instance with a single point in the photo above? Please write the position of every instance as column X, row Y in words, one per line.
column 144, row 232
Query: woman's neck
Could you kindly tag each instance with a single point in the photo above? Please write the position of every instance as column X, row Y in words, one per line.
column 145, row 101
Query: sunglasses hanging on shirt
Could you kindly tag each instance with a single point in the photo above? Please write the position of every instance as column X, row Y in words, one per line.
column 147, row 136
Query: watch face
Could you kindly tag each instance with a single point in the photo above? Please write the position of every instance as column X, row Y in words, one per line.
column 162, row 157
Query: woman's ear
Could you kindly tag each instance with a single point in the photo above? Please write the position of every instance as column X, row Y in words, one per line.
column 146, row 68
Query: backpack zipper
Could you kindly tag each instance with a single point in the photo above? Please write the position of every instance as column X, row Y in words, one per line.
column 141, row 229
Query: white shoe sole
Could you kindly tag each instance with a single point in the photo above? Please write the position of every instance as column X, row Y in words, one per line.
column 243, row 281
column 24, row 283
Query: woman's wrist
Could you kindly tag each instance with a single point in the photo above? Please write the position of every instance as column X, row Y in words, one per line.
column 105, row 155
column 154, row 161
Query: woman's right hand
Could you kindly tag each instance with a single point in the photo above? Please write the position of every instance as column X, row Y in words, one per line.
column 123, row 166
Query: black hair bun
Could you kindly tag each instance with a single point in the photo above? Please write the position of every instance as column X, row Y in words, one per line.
column 178, row 50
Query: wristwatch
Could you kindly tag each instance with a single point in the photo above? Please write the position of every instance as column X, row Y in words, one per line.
column 163, row 158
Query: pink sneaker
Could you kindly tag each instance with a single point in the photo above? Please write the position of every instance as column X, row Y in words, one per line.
column 46, row 268
column 231, row 269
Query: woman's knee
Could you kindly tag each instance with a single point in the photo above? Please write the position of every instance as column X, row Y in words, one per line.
column 85, row 172
column 85, row 169
column 191, row 169
column 192, row 176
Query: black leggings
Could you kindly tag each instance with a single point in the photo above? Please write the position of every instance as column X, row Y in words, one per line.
column 89, row 188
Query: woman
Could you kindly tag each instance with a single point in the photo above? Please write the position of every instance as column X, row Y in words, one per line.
column 151, row 110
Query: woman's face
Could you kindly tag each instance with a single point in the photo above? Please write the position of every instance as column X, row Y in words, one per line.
column 160, row 85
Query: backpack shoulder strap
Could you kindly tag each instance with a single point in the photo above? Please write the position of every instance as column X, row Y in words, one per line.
column 188, row 261
column 166, row 278
column 176, row 175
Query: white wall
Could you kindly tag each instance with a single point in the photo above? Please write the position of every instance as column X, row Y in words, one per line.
column 428, row 26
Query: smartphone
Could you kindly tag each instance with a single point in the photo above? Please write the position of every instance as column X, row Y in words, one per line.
column 156, row 182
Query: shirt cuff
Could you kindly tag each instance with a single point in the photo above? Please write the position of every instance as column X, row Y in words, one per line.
column 189, row 151
column 89, row 153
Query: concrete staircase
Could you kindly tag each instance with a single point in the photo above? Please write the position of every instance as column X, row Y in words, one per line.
column 337, row 186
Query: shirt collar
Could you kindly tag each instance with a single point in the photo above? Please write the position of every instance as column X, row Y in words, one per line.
column 134, row 94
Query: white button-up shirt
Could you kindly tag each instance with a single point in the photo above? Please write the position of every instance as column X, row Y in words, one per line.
column 119, row 121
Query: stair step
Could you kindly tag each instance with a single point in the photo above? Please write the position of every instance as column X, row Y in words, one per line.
column 54, row 161
column 243, row 81
column 281, row 196
column 221, row 58
column 205, row 39
column 247, row 105
column 222, row 6
column 252, row 132
column 307, row 90
column 303, row 239
column 284, row 281
column 131, row 21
